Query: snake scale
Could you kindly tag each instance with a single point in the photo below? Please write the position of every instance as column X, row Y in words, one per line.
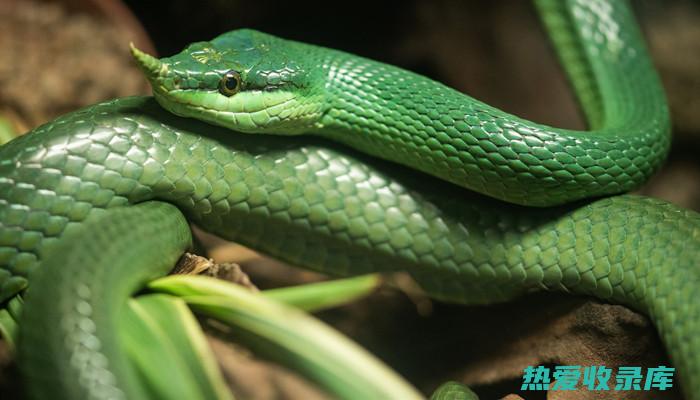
column 96, row 202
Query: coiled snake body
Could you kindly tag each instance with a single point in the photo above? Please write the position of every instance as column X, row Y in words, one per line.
column 126, row 173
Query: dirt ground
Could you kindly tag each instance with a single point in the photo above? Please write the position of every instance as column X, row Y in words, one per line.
column 54, row 59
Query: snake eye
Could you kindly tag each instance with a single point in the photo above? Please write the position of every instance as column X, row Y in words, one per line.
column 230, row 83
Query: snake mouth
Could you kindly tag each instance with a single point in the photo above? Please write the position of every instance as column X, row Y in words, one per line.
column 247, row 112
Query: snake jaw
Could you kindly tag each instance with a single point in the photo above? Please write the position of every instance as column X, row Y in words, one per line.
column 248, row 112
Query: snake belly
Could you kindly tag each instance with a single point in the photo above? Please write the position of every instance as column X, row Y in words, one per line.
column 318, row 205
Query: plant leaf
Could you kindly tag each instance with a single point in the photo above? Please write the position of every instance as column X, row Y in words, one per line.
column 291, row 337
column 322, row 295
column 169, row 350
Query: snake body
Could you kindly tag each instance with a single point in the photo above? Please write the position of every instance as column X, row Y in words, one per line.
column 103, row 174
column 292, row 88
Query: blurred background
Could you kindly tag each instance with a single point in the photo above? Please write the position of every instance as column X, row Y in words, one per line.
column 57, row 56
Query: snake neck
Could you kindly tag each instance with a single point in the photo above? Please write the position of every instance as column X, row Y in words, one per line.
column 412, row 120
column 395, row 114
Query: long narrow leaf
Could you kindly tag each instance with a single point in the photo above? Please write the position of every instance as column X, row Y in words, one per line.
column 169, row 350
column 291, row 337
column 8, row 329
column 7, row 131
column 8, row 321
column 322, row 295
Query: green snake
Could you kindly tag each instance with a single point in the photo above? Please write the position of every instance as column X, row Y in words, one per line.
column 95, row 203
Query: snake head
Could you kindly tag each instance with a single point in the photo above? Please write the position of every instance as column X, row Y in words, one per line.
column 244, row 80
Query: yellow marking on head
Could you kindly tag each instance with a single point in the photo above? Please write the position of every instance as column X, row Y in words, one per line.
column 206, row 55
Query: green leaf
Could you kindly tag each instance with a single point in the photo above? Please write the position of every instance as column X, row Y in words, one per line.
column 322, row 295
column 7, row 131
column 8, row 329
column 8, row 321
column 169, row 350
column 291, row 337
